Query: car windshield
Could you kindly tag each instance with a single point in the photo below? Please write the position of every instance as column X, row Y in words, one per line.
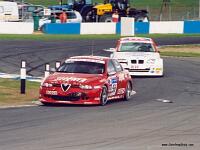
column 82, row 67
column 136, row 47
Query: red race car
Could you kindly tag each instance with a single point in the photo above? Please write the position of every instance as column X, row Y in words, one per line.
column 87, row 80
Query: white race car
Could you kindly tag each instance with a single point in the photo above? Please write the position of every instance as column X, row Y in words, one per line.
column 139, row 56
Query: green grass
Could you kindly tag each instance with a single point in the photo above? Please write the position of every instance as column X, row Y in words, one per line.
column 191, row 50
column 180, row 54
column 55, row 37
column 1, row 70
column 46, row 37
column 135, row 3
column 158, row 3
column 10, row 92
column 179, row 9
column 43, row 2
column 4, row 95
column 15, row 84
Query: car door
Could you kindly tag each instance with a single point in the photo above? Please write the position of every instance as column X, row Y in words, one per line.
column 112, row 79
column 120, row 77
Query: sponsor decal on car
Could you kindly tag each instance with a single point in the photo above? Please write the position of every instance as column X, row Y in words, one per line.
column 115, row 97
column 112, row 86
column 121, row 91
column 51, row 92
column 71, row 79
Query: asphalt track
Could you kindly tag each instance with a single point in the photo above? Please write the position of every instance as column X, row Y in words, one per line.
column 143, row 123
column 38, row 53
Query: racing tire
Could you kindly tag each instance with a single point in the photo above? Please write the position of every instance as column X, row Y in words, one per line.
column 106, row 18
column 128, row 91
column 87, row 16
column 104, row 96
column 142, row 19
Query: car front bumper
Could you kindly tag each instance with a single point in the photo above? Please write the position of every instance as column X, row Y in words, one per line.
column 72, row 97
column 146, row 72
column 86, row 102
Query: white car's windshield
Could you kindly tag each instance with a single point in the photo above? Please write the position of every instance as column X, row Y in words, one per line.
column 136, row 47
column 82, row 67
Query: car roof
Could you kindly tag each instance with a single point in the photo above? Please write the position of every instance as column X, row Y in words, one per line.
column 99, row 59
column 136, row 39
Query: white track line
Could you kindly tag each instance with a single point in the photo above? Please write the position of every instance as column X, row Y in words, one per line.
column 164, row 100
column 34, row 103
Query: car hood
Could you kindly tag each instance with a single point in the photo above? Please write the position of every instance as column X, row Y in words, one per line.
column 75, row 78
column 144, row 55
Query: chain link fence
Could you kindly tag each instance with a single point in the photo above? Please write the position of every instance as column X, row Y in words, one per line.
column 159, row 10
column 174, row 12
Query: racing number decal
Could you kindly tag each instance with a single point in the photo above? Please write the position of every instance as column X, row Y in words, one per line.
column 112, row 86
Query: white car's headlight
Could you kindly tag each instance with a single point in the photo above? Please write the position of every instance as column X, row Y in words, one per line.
column 45, row 84
column 122, row 60
column 86, row 87
column 151, row 61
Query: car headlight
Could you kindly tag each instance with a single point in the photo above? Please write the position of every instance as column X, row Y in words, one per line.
column 151, row 61
column 86, row 87
column 45, row 84
column 122, row 60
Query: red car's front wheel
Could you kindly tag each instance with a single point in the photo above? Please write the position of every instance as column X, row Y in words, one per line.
column 104, row 96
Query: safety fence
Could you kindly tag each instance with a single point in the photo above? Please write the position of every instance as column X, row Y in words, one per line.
column 123, row 28
column 126, row 27
column 16, row 28
column 153, row 27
